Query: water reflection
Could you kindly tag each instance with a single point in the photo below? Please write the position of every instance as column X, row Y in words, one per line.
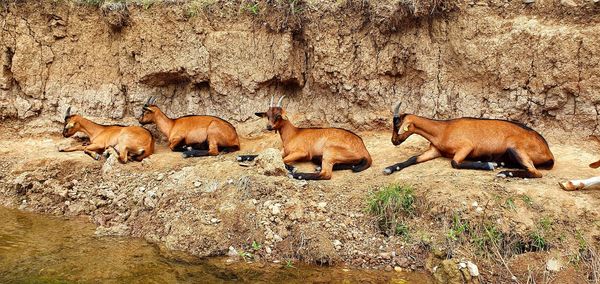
column 41, row 249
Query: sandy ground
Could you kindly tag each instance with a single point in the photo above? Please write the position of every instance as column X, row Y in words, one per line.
column 242, row 201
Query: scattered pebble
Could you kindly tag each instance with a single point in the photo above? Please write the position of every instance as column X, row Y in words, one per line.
column 553, row 265
column 473, row 270
column 232, row 252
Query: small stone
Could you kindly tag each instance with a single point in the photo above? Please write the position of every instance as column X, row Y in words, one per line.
column 462, row 265
column 553, row 265
column 268, row 250
column 475, row 204
column 473, row 270
column 322, row 205
column 388, row 268
column 385, row 255
column 568, row 3
column 160, row 177
column 232, row 252
column 398, row 269
column 197, row 183
column 215, row 220
column 528, row 1
column 403, row 262
column 479, row 210
column 276, row 209
column 337, row 243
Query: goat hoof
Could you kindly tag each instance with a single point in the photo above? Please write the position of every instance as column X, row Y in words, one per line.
column 505, row 174
column 491, row 166
column 387, row 171
column 317, row 169
column 567, row 185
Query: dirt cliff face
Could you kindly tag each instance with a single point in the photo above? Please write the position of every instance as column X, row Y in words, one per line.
column 342, row 65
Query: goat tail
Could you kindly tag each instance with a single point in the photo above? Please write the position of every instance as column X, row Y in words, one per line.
column 364, row 164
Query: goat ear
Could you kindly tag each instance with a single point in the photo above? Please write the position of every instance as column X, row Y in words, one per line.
column 406, row 127
column 260, row 114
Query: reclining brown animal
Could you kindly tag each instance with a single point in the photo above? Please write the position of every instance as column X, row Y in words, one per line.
column 474, row 143
column 194, row 133
column 130, row 142
column 336, row 148
column 583, row 183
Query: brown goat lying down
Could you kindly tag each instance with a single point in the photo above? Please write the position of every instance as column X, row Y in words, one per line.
column 337, row 149
column 193, row 134
column 130, row 142
column 475, row 144
column 584, row 183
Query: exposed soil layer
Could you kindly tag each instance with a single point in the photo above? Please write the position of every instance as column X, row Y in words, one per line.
column 341, row 63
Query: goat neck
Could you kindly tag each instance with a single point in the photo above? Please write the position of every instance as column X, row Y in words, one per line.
column 287, row 131
column 90, row 128
column 163, row 122
column 428, row 128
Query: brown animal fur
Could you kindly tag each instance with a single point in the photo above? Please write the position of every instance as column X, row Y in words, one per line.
column 491, row 141
column 193, row 130
column 336, row 148
column 128, row 141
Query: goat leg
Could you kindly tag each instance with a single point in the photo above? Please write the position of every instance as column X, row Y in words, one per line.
column 399, row 166
column 246, row 158
column 430, row 154
column 524, row 160
column 195, row 153
column 486, row 166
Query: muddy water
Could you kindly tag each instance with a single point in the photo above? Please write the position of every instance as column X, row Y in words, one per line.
column 41, row 249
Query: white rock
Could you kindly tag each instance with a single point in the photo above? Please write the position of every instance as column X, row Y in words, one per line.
column 475, row 204
column 215, row 220
column 160, row 177
column 553, row 265
column 268, row 250
column 197, row 183
column 337, row 243
column 462, row 265
column 322, row 205
column 473, row 270
column 232, row 252
column 276, row 209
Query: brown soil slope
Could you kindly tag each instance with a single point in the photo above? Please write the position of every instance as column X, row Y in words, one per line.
column 205, row 205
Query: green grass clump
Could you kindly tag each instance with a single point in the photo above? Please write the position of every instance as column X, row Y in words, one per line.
column 391, row 205
column 457, row 228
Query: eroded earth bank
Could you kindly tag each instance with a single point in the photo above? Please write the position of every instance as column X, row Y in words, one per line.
column 341, row 64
